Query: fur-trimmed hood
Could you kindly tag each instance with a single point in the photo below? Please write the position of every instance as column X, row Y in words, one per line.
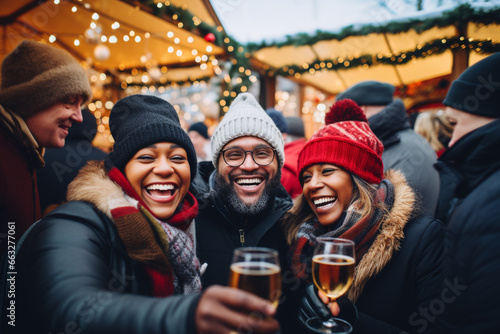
column 391, row 234
column 92, row 184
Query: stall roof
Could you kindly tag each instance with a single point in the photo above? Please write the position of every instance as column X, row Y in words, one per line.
column 141, row 39
column 401, row 52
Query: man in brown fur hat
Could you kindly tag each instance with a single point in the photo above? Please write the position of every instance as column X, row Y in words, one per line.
column 41, row 91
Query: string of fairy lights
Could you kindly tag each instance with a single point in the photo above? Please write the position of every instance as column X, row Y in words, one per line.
column 237, row 78
column 233, row 70
column 240, row 77
column 434, row 47
column 151, row 77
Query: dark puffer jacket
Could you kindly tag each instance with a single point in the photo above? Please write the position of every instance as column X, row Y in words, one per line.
column 218, row 234
column 74, row 273
column 62, row 164
column 86, row 281
column 469, row 203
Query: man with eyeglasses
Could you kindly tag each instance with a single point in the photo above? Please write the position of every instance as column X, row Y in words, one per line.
column 242, row 200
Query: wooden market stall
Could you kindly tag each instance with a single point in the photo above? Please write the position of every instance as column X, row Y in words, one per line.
column 134, row 46
column 126, row 46
column 420, row 55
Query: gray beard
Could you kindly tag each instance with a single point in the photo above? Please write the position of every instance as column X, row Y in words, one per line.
column 228, row 195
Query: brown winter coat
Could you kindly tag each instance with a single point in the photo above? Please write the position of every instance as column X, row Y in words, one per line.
column 19, row 201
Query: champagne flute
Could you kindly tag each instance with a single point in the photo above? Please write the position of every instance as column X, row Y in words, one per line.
column 257, row 270
column 333, row 273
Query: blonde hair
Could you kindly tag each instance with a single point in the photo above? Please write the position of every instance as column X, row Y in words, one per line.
column 435, row 128
column 363, row 197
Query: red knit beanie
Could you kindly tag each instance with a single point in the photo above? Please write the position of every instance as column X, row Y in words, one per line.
column 345, row 141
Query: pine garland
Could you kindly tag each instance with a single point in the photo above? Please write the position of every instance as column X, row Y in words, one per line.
column 240, row 54
column 434, row 47
column 237, row 53
column 185, row 17
column 463, row 13
column 171, row 83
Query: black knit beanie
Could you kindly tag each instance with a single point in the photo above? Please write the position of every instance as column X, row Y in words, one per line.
column 138, row 121
column 369, row 93
column 278, row 119
column 201, row 128
column 36, row 76
column 295, row 126
column 477, row 89
column 86, row 130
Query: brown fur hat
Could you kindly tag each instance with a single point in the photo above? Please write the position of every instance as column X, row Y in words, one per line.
column 36, row 76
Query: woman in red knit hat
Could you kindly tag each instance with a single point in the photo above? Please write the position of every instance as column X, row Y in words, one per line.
column 346, row 195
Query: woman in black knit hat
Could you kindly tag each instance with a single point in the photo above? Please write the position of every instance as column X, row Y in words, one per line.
column 120, row 256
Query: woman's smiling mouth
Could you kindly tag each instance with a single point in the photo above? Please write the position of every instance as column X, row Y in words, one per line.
column 161, row 192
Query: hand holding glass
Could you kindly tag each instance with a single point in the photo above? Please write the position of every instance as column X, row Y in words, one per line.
column 257, row 270
column 333, row 273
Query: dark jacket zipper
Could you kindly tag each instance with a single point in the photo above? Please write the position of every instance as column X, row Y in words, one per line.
column 242, row 236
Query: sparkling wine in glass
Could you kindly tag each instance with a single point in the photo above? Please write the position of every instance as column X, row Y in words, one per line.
column 333, row 272
column 257, row 270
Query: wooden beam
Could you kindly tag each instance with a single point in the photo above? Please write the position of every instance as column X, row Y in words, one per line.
column 11, row 18
column 398, row 75
column 267, row 91
column 211, row 10
column 301, row 98
column 460, row 56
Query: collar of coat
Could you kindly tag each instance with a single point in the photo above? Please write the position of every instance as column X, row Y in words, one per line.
column 388, row 241
column 474, row 157
column 22, row 136
column 93, row 185
column 389, row 121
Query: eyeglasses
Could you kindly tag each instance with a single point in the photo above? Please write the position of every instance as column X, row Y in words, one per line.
column 235, row 157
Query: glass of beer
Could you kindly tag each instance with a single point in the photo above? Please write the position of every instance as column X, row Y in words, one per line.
column 333, row 273
column 257, row 270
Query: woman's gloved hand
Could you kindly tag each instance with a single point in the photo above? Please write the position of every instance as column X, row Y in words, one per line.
column 312, row 306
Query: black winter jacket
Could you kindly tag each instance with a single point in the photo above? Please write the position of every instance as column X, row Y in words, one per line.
column 218, row 234
column 400, row 272
column 390, row 301
column 62, row 164
column 85, row 282
column 469, row 203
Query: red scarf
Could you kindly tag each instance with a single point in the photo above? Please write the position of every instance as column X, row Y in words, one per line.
column 350, row 226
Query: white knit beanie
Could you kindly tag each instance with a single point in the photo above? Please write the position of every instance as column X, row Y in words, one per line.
column 246, row 117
